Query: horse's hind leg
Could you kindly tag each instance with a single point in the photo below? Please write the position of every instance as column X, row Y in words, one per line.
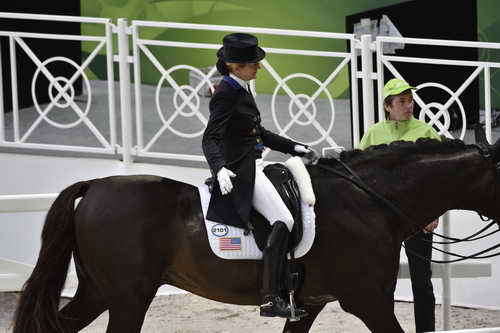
column 305, row 323
column 128, row 309
column 82, row 309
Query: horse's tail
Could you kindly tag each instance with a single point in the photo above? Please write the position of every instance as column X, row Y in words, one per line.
column 37, row 310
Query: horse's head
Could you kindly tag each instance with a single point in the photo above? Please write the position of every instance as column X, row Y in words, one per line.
column 493, row 152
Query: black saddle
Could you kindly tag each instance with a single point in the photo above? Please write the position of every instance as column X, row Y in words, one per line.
column 288, row 190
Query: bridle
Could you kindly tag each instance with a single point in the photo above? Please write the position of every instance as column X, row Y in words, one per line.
column 353, row 177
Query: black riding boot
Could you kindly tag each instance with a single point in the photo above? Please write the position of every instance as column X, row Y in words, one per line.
column 273, row 305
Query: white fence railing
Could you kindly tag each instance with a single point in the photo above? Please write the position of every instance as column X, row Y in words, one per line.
column 185, row 100
column 64, row 97
column 454, row 96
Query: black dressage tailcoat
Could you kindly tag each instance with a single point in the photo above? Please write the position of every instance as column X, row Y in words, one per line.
column 232, row 133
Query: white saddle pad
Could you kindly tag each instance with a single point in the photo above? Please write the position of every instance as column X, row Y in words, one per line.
column 229, row 242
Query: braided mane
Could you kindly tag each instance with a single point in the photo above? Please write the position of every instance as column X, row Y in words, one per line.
column 421, row 146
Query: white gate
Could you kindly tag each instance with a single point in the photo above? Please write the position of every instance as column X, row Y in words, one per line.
column 185, row 99
column 454, row 96
column 64, row 98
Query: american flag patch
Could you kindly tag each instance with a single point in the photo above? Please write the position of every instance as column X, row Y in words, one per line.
column 230, row 243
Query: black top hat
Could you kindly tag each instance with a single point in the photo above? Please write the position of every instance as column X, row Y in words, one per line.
column 240, row 48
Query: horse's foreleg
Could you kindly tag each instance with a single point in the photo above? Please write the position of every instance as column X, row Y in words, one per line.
column 374, row 309
column 82, row 309
column 304, row 324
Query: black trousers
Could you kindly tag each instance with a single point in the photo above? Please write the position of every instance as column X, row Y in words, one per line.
column 420, row 274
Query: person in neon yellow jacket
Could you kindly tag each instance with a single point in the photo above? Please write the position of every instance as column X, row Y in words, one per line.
column 401, row 125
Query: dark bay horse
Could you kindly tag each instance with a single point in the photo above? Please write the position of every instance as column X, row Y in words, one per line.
column 131, row 234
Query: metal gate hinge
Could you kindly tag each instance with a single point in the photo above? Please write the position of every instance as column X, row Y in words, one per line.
column 357, row 46
column 360, row 75
column 114, row 29
column 116, row 58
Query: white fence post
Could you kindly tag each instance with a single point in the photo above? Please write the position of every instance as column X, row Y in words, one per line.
column 446, row 280
column 487, row 103
column 354, row 94
column 111, row 84
column 125, row 91
column 2, row 108
column 13, row 87
column 367, row 70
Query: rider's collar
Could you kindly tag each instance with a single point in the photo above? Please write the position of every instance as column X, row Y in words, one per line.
column 242, row 83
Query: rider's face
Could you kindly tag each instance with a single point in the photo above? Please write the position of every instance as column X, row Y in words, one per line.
column 401, row 107
column 248, row 71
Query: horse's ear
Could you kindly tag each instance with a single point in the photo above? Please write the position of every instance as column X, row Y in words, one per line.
column 480, row 135
column 482, row 142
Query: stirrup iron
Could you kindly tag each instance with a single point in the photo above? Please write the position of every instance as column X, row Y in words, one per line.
column 292, row 307
column 293, row 279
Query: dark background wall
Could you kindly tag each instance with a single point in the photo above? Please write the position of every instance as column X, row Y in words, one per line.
column 43, row 49
column 420, row 20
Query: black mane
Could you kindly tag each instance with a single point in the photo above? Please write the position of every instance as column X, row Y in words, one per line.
column 421, row 146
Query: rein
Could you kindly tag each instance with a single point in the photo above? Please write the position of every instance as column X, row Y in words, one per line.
column 466, row 239
column 353, row 177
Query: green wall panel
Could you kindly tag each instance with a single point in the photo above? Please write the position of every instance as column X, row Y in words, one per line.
column 280, row 14
column 489, row 31
column 318, row 15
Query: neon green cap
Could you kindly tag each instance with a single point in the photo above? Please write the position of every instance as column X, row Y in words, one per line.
column 396, row 87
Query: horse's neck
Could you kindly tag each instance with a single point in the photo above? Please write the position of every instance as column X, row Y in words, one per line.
column 426, row 189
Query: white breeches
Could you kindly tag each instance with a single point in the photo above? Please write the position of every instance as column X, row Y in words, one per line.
column 266, row 199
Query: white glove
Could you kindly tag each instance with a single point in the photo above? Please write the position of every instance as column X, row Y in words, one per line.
column 224, row 177
column 310, row 155
column 301, row 149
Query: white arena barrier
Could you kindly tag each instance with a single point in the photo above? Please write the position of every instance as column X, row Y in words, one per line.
column 477, row 330
column 26, row 202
